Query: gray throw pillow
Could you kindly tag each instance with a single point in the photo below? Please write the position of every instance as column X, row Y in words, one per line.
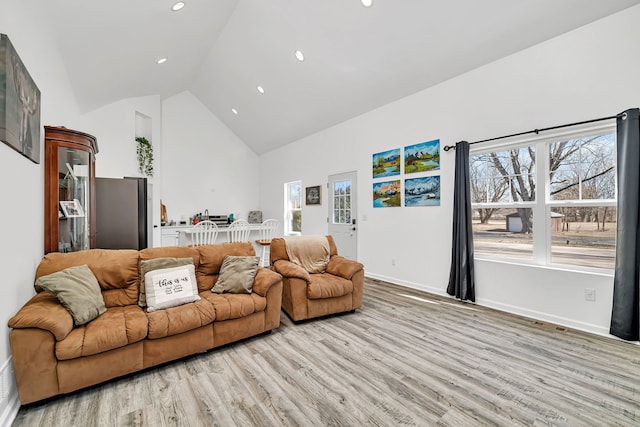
column 237, row 274
column 157, row 264
column 78, row 291
column 171, row 287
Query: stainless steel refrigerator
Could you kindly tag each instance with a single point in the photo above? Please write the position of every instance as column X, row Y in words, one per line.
column 123, row 213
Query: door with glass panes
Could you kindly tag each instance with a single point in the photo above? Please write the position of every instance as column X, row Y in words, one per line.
column 342, row 213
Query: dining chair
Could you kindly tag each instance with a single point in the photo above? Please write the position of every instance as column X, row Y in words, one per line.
column 238, row 231
column 267, row 232
column 204, row 233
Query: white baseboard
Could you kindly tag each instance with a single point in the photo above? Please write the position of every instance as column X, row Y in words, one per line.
column 10, row 411
column 9, row 402
column 545, row 317
column 418, row 286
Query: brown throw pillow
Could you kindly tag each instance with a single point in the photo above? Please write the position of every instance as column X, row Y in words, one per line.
column 157, row 264
column 237, row 274
column 78, row 291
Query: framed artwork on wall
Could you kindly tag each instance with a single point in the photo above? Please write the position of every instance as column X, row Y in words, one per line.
column 386, row 163
column 19, row 104
column 313, row 195
column 422, row 157
column 423, row 191
column 386, row 194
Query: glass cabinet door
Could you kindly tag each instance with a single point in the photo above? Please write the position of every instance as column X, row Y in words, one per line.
column 69, row 190
column 73, row 195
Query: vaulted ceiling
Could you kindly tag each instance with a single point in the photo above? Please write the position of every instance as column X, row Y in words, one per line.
column 355, row 58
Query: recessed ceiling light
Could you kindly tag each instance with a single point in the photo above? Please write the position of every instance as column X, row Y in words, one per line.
column 234, row 111
column 299, row 56
column 366, row 3
column 179, row 5
column 260, row 89
column 162, row 60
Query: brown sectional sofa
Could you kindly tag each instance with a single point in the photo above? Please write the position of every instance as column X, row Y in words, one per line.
column 52, row 357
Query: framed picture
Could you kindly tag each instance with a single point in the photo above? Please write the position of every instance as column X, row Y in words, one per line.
column 422, row 157
column 313, row 195
column 386, row 194
column 386, row 163
column 422, row 191
column 71, row 208
column 19, row 104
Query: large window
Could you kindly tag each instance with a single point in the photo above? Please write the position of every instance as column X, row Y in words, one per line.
column 547, row 201
column 293, row 207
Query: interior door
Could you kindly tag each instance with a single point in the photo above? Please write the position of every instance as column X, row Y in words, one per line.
column 343, row 213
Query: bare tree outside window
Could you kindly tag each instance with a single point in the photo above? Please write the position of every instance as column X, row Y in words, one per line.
column 581, row 195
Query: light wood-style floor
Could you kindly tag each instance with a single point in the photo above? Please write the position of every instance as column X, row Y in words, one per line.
column 406, row 358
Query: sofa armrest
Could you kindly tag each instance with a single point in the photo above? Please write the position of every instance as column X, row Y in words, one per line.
column 264, row 280
column 289, row 269
column 43, row 311
column 343, row 267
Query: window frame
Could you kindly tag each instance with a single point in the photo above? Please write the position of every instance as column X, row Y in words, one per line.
column 289, row 210
column 542, row 205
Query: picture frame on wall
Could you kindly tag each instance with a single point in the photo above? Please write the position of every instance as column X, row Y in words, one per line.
column 386, row 194
column 423, row 157
column 423, row 191
column 71, row 208
column 386, row 163
column 19, row 104
column 313, row 195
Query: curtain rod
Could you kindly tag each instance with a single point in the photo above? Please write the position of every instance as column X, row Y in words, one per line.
column 536, row 131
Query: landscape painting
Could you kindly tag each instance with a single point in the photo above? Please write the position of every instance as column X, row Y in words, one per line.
column 423, row 191
column 19, row 104
column 386, row 163
column 386, row 194
column 422, row 157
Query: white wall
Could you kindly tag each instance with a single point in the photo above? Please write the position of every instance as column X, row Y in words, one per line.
column 588, row 73
column 114, row 127
column 205, row 165
column 22, row 184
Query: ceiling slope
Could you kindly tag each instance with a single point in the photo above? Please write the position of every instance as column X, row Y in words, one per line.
column 356, row 58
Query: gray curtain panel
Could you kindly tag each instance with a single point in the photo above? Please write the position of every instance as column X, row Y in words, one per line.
column 461, row 278
column 626, row 293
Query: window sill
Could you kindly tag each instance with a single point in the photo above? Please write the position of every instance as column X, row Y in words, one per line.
column 564, row 268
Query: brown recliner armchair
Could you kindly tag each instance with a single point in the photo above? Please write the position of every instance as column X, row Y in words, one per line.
column 334, row 284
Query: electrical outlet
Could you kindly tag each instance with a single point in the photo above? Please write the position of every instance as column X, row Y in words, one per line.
column 393, row 261
column 589, row 294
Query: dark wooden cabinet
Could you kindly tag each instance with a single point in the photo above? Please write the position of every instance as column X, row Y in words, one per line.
column 69, row 190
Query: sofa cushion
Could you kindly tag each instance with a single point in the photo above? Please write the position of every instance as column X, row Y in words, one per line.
column 328, row 286
column 176, row 320
column 234, row 306
column 78, row 291
column 115, row 269
column 157, row 264
column 117, row 327
column 211, row 258
column 237, row 275
column 171, row 287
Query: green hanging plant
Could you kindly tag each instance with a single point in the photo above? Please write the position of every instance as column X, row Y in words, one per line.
column 144, row 150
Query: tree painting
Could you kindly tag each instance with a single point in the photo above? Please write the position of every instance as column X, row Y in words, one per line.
column 386, row 163
column 422, row 157
column 386, row 194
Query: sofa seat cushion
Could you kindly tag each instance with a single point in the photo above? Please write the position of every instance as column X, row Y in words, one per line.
column 234, row 306
column 176, row 320
column 328, row 286
column 117, row 327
